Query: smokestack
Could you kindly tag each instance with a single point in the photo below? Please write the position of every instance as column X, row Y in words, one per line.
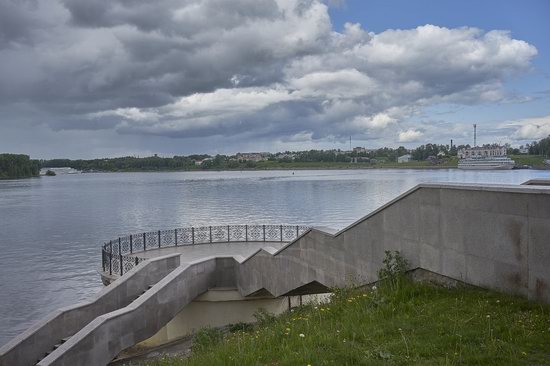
column 475, row 135
column 451, row 144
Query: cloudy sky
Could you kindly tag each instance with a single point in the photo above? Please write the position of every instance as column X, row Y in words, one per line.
column 95, row 78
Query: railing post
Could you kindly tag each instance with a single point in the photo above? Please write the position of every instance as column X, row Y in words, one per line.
column 264, row 231
column 144, row 243
column 103, row 257
column 297, row 232
column 246, row 233
column 210, row 227
column 176, row 236
column 192, row 235
column 120, row 255
column 159, row 238
column 228, row 238
column 137, row 261
column 281, row 228
column 131, row 244
column 110, row 257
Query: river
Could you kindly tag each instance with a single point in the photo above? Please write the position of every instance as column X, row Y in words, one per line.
column 51, row 228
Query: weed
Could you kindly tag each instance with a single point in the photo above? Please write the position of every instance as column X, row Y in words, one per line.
column 206, row 338
column 392, row 274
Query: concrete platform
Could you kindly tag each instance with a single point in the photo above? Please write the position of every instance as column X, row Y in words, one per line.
column 198, row 252
column 191, row 253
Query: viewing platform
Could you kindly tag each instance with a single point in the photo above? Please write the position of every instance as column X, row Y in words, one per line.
column 193, row 243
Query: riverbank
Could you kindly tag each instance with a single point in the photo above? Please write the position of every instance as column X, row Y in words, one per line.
column 418, row 324
column 273, row 165
column 534, row 162
column 350, row 167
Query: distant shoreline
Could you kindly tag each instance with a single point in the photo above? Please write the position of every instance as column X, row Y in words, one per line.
column 295, row 168
column 274, row 169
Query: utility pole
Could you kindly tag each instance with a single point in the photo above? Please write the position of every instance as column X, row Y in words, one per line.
column 350, row 149
column 475, row 135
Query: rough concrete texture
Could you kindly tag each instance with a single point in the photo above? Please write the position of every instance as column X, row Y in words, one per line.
column 491, row 236
column 106, row 336
column 33, row 344
column 537, row 182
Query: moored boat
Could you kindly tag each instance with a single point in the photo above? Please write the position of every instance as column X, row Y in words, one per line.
column 487, row 163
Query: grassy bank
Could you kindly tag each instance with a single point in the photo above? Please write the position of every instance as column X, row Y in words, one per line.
column 531, row 160
column 418, row 324
column 452, row 163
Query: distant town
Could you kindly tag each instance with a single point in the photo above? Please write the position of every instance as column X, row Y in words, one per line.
column 534, row 155
column 424, row 156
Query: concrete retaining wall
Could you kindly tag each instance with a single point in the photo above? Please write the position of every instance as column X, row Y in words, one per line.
column 34, row 343
column 496, row 237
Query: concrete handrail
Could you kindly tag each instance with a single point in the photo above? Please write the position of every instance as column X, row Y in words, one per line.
column 537, row 182
column 139, row 320
column 35, row 342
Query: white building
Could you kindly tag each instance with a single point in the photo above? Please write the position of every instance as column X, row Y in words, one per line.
column 199, row 162
column 482, row 152
column 261, row 156
column 404, row 158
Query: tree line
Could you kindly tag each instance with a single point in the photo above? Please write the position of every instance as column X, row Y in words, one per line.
column 126, row 163
column 18, row 166
column 12, row 165
column 541, row 147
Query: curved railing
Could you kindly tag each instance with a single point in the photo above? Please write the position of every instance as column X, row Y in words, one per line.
column 117, row 258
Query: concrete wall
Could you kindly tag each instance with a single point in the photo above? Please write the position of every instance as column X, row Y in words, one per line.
column 106, row 336
column 537, row 182
column 496, row 237
column 34, row 343
column 219, row 307
column 215, row 308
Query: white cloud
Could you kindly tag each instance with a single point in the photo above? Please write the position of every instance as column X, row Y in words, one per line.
column 134, row 114
column 409, row 136
column 227, row 102
column 267, row 69
column 378, row 121
column 530, row 128
column 346, row 83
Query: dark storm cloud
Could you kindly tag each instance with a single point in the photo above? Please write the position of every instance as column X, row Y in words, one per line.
column 158, row 15
column 264, row 69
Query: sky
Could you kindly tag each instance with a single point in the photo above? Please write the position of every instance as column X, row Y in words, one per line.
column 106, row 78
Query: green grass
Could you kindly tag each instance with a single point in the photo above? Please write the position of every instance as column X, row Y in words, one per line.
column 532, row 160
column 419, row 324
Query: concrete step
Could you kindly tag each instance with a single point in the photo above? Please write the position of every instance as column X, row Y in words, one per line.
column 56, row 346
column 144, row 291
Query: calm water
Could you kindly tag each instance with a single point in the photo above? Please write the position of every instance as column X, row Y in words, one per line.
column 51, row 228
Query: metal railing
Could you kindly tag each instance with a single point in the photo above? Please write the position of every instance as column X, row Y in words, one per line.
column 117, row 258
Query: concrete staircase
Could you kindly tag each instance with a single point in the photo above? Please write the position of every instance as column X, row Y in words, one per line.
column 48, row 336
column 490, row 236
